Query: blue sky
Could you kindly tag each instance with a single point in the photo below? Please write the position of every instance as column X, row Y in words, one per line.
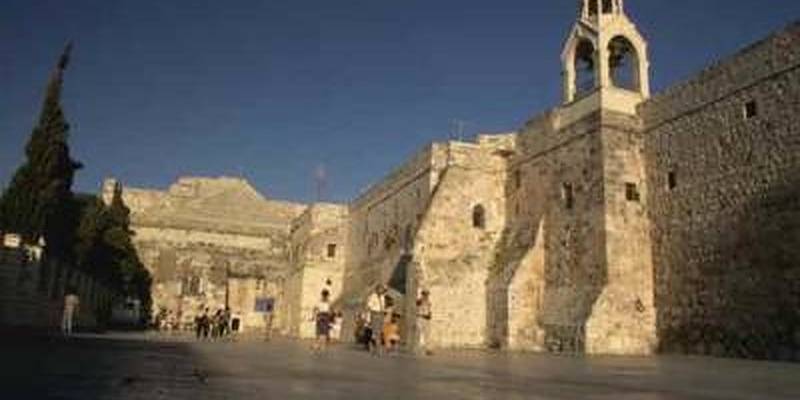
column 270, row 90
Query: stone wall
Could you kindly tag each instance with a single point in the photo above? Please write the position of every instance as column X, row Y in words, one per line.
column 453, row 251
column 212, row 242
column 382, row 227
column 571, row 272
column 191, row 274
column 550, row 266
column 723, row 167
column 32, row 292
column 319, row 243
column 414, row 230
column 623, row 317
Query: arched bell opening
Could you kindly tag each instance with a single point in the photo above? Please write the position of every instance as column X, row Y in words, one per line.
column 608, row 6
column 591, row 8
column 623, row 64
column 585, row 68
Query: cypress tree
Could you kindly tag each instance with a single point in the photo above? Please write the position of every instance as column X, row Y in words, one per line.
column 38, row 201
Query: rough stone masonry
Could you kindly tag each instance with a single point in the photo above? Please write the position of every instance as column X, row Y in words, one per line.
column 615, row 223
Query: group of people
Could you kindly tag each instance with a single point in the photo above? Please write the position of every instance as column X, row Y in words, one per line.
column 166, row 320
column 214, row 326
column 378, row 327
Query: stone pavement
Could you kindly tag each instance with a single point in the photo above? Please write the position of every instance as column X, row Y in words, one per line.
column 138, row 366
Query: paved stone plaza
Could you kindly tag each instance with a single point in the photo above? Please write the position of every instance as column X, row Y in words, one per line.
column 136, row 366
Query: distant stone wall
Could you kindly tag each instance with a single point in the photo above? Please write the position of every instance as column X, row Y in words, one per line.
column 723, row 195
column 190, row 274
column 212, row 242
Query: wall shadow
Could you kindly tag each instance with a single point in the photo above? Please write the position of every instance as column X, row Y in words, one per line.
column 744, row 301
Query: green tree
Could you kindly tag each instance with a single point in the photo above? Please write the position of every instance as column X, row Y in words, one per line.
column 132, row 274
column 38, row 201
column 104, row 248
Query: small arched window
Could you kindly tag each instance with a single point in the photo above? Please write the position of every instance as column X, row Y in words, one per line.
column 623, row 64
column 478, row 217
column 585, row 68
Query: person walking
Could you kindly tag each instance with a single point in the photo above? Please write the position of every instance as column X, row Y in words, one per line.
column 376, row 308
column 203, row 324
column 423, row 321
column 218, row 325
column 323, row 316
column 71, row 306
column 198, row 326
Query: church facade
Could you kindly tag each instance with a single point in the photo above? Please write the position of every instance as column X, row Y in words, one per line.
column 619, row 222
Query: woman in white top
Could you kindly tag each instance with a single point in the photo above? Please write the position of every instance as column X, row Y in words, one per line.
column 323, row 317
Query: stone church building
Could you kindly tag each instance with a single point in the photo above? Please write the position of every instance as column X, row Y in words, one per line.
column 618, row 222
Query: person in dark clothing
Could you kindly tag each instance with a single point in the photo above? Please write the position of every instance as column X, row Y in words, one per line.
column 203, row 325
column 216, row 325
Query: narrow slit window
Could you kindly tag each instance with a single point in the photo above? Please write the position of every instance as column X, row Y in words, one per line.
column 478, row 217
column 331, row 250
column 632, row 192
column 568, row 196
column 750, row 109
column 672, row 180
column 517, row 179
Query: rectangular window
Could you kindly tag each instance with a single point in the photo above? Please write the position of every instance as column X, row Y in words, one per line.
column 331, row 250
column 567, row 195
column 191, row 286
column 631, row 192
column 750, row 109
column 517, row 179
column 672, row 180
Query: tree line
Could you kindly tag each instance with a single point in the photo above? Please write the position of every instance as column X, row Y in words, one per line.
column 77, row 229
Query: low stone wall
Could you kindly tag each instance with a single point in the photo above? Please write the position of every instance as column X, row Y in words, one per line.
column 31, row 293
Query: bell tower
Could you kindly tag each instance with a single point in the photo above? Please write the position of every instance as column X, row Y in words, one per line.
column 605, row 58
column 605, row 70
